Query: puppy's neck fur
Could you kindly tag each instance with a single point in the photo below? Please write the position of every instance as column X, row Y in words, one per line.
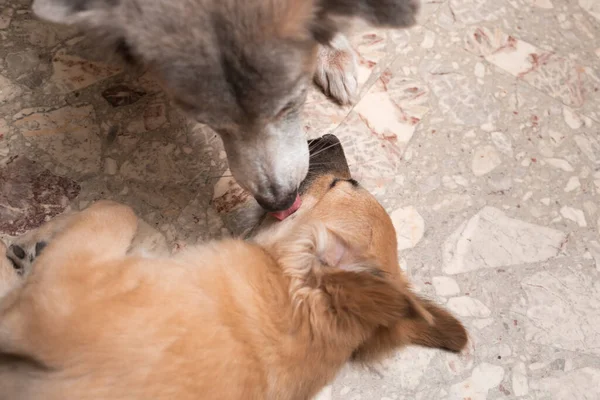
column 304, row 329
column 276, row 314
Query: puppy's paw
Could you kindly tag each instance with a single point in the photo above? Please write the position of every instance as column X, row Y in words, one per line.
column 22, row 255
column 337, row 70
column 24, row 250
column 9, row 274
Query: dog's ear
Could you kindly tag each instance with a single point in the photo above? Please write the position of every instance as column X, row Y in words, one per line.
column 96, row 12
column 332, row 15
column 428, row 326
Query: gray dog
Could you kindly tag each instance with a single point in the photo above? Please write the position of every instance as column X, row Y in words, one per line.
column 242, row 67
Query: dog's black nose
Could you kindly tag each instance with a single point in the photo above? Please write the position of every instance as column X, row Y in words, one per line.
column 277, row 201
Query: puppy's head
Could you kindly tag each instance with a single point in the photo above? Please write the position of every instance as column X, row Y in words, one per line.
column 240, row 66
column 340, row 253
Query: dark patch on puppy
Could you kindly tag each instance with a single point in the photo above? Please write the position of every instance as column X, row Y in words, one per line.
column 17, row 251
column 326, row 156
column 14, row 264
column 39, row 247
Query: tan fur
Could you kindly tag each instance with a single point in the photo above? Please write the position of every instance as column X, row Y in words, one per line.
column 8, row 276
column 275, row 318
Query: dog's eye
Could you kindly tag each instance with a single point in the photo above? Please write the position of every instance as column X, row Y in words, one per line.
column 290, row 106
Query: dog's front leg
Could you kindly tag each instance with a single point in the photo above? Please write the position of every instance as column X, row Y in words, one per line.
column 337, row 70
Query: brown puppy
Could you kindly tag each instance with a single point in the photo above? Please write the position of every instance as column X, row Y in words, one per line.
column 242, row 67
column 275, row 318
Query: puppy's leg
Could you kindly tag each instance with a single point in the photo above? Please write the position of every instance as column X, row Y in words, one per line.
column 24, row 249
column 103, row 231
column 100, row 233
column 82, row 232
column 337, row 70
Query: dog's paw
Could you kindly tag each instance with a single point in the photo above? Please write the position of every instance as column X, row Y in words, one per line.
column 337, row 70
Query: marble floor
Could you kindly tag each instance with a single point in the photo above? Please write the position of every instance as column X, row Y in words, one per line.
column 478, row 130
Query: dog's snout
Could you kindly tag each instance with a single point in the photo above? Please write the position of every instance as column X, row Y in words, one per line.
column 276, row 199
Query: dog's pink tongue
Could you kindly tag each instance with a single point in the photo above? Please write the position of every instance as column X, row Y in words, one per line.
column 281, row 215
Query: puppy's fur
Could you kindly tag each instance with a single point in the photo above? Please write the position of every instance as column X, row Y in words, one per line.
column 274, row 318
column 241, row 66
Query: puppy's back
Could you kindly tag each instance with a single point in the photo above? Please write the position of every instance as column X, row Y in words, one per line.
column 190, row 329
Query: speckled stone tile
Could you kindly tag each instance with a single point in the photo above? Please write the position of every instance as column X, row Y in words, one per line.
column 478, row 130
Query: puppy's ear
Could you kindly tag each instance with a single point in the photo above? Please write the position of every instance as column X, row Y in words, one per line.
column 341, row 285
column 69, row 12
column 428, row 325
column 363, row 299
column 443, row 332
column 334, row 14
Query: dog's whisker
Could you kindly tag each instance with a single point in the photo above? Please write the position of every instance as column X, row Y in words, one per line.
column 323, row 163
column 316, row 149
column 325, row 148
column 313, row 145
column 210, row 178
column 310, row 173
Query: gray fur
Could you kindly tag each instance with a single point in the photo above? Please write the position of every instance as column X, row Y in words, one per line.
column 243, row 67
